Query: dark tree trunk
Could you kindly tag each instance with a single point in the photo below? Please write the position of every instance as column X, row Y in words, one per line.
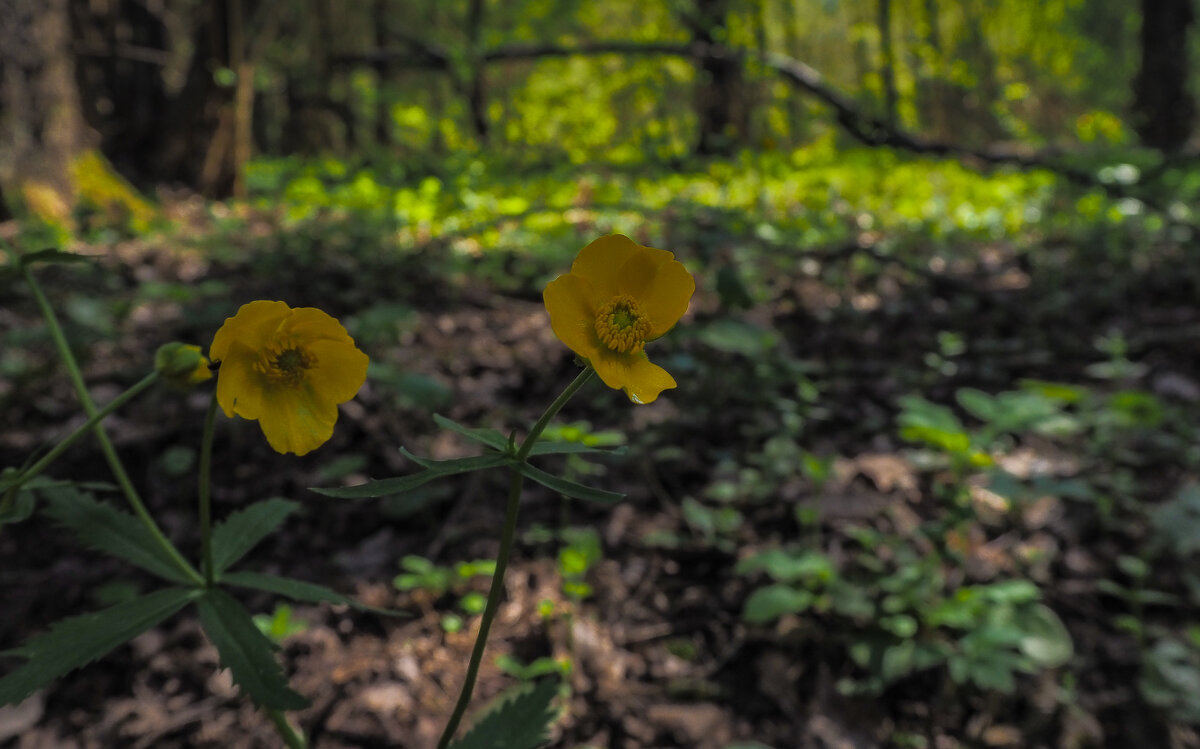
column 42, row 130
column 383, row 109
column 193, row 115
column 719, row 85
column 887, row 61
column 121, row 52
column 1164, row 109
column 476, row 87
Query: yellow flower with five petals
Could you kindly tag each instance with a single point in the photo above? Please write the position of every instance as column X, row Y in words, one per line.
column 288, row 369
column 618, row 296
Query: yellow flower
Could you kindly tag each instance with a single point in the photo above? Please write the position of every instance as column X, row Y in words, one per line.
column 289, row 369
column 618, row 296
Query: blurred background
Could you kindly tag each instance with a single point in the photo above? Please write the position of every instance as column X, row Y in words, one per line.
column 928, row 479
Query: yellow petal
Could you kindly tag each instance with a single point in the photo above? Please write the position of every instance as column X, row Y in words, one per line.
column 665, row 297
column 309, row 324
column 599, row 261
column 641, row 379
column 636, row 273
column 254, row 326
column 296, row 420
column 570, row 301
column 239, row 387
column 340, row 371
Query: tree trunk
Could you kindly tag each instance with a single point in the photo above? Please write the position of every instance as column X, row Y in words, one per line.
column 193, row 115
column 476, row 87
column 42, row 131
column 887, row 61
column 1164, row 109
column 383, row 104
column 719, row 83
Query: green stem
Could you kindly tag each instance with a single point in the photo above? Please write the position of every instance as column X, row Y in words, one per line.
column 86, row 427
column 290, row 736
column 506, row 543
column 205, row 490
column 540, row 425
column 106, row 446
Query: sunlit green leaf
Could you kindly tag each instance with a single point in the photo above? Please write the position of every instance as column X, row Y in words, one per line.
column 770, row 602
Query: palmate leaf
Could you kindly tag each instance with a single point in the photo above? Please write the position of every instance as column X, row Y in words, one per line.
column 434, row 469
column 77, row 641
column 111, row 531
column 570, row 488
column 233, row 538
column 298, row 590
column 520, row 720
column 246, row 652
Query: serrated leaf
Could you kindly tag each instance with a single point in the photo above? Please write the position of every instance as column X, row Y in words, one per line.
column 233, row 538
column 298, row 590
column 75, row 642
column 520, row 720
column 107, row 529
column 246, row 652
column 434, row 469
column 569, row 488
column 488, row 437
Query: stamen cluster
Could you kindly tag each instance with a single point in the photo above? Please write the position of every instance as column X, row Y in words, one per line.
column 621, row 326
column 284, row 363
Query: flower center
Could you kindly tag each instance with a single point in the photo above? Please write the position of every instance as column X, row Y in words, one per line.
column 285, row 363
column 621, row 325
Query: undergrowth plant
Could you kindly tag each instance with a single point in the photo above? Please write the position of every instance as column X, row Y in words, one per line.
column 289, row 369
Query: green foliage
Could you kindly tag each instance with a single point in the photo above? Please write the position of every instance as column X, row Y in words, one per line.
column 111, row 531
column 422, row 574
column 1177, row 522
column 246, row 652
column 1170, row 678
column 580, row 552
column 233, row 538
column 77, row 641
column 297, row 590
column 432, row 470
column 519, row 719
column 280, row 625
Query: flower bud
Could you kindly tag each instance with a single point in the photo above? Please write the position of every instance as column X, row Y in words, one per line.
column 181, row 364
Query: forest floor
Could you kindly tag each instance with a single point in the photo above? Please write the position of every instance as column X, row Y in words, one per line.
column 660, row 653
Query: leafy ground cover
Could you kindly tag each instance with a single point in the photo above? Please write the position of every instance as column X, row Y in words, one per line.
column 927, row 481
